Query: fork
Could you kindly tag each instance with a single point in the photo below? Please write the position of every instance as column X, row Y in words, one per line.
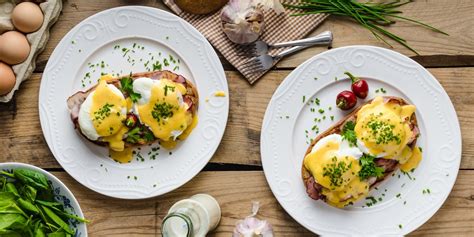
column 266, row 61
column 324, row 38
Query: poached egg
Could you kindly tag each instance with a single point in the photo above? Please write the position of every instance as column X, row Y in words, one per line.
column 383, row 130
column 334, row 165
column 102, row 113
column 162, row 109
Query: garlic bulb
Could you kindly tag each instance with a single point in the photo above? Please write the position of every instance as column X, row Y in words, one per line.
column 272, row 4
column 252, row 226
column 242, row 21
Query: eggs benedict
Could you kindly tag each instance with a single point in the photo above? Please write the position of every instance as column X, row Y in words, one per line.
column 124, row 112
column 343, row 163
column 102, row 114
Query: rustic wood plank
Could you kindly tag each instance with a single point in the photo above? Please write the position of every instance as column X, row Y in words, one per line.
column 21, row 131
column 235, row 191
column 454, row 50
column 436, row 50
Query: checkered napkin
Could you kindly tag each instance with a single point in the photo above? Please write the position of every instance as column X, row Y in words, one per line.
column 278, row 28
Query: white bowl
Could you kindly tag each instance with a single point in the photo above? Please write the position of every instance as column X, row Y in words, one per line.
column 61, row 193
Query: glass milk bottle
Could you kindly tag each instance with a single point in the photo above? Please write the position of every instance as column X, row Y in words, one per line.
column 192, row 217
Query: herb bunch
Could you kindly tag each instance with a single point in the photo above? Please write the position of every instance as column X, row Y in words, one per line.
column 372, row 16
column 348, row 133
column 369, row 168
column 126, row 85
column 28, row 208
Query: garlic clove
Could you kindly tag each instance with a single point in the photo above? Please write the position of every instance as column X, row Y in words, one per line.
column 252, row 226
column 242, row 21
column 272, row 4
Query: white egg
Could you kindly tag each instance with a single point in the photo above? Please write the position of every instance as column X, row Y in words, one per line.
column 345, row 149
column 85, row 122
column 365, row 150
column 143, row 86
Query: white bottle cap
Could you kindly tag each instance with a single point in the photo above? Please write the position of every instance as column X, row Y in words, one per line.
column 212, row 207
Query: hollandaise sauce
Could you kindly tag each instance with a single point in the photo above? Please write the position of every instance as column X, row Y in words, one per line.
column 338, row 174
column 108, row 110
column 384, row 129
column 165, row 112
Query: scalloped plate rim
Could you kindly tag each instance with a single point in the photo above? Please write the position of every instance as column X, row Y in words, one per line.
column 270, row 116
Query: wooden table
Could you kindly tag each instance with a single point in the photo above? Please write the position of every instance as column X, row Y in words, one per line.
column 235, row 175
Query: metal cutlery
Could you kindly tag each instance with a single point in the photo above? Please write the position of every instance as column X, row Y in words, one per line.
column 263, row 61
column 324, row 38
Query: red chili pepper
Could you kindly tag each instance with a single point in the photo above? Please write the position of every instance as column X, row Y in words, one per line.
column 346, row 100
column 359, row 86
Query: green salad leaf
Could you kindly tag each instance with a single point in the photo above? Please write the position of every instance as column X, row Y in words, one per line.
column 28, row 208
column 32, row 178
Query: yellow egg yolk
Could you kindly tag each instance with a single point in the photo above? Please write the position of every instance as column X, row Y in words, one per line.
column 337, row 174
column 383, row 127
column 164, row 114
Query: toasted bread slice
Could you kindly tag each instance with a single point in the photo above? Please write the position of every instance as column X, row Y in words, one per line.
column 191, row 97
column 314, row 189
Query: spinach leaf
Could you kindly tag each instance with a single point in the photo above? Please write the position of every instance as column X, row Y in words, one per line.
column 12, row 221
column 10, row 233
column 50, row 204
column 58, row 234
column 57, row 207
column 27, row 206
column 6, row 198
column 39, row 232
column 28, row 192
column 56, row 219
column 9, row 175
column 3, row 182
column 43, row 216
column 10, row 187
column 32, row 178
column 12, row 208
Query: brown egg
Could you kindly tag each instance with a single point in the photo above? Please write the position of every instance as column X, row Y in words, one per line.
column 14, row 47
column 7, row 79
column 27, row 17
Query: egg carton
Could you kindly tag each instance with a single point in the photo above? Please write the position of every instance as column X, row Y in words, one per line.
column 38, row 39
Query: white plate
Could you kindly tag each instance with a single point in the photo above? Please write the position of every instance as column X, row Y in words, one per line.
column 61, row 194
column 69, row 69
column 283, row 142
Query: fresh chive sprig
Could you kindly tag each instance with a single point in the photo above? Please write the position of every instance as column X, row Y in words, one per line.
column 370, row 15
